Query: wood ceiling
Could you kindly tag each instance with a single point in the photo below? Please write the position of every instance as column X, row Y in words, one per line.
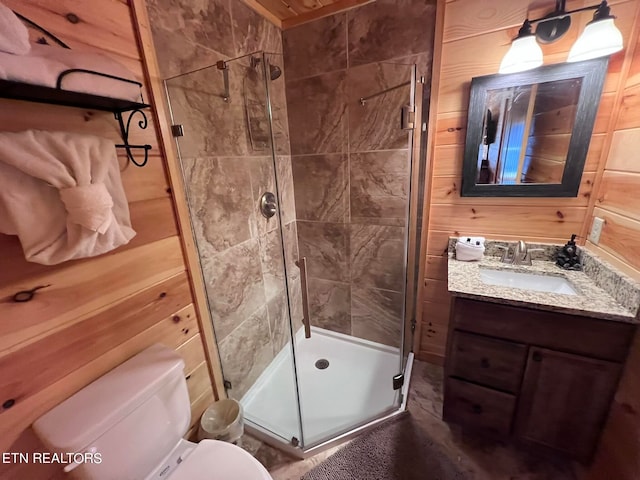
column 289, row 13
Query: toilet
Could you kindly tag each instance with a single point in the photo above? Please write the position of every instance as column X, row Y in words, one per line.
column 129, row 424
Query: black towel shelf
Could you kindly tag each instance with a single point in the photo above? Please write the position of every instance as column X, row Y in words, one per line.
column 58, row 96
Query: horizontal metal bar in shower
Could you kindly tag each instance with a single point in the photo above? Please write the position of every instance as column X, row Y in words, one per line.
column 363, row 100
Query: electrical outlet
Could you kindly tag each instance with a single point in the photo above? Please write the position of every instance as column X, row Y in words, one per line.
column 596, row 230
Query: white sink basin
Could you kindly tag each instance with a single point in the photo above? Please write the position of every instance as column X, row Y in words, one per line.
column 527, row 281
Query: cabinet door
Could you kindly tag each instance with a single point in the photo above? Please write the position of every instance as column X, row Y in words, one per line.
column 487, row 361
column 564, row 401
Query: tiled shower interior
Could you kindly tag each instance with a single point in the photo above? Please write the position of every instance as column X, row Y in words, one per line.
column 351, row 161
column 341, row 167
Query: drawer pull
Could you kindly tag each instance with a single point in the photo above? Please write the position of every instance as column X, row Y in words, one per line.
column 537, row 357
column 477, row 408
column 484, row 363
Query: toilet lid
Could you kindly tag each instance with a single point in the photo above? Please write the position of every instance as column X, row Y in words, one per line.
column 215, row 460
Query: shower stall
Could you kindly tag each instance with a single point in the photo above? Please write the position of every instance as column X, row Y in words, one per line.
column 305, row 257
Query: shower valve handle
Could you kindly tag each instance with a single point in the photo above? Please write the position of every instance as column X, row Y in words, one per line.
column 268, row 206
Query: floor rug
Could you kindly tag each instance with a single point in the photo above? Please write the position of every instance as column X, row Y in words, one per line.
column 396, row 450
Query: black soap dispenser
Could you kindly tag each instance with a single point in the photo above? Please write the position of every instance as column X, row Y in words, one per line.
column 568, row 257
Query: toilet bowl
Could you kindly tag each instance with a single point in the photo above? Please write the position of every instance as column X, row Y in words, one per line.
column 129, row 424
column 216, row 460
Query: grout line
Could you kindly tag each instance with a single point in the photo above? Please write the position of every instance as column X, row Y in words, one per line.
column 307, row 77
column 348, row 224
column 346, row 37
column 351, row 285
column 351, row 67
column 403, row 150
column 236, row 48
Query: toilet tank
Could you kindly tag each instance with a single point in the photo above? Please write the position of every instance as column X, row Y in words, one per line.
column 132, row 417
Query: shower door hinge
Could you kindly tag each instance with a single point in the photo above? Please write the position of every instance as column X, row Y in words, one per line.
column 227, row 385
column 398, row 381
column 177, row 130
column 407, row 117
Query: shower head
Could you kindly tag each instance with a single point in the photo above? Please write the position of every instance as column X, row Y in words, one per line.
column 274, row 72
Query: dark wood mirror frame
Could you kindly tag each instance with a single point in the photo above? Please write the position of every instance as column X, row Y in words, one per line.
column 592, row 73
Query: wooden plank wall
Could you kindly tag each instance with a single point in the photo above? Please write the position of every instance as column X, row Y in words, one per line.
column 548, row 143
column 618, row 202
column 96, row 312
column 477, row 34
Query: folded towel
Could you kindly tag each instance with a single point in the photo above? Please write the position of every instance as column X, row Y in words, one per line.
column 44, row 63
column 88, row 83
column 62, row 194
column 30, row 69
column 89, row 206
column 14, row 36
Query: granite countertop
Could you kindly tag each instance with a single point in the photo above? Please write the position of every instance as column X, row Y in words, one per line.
column 592, row 300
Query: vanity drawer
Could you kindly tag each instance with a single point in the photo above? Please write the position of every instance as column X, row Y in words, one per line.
column 604, row 339
column 491, row 362
column 478, row 407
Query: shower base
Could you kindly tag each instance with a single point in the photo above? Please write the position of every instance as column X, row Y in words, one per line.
column 354, row 388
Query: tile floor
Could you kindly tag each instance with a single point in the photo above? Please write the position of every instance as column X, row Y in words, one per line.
column 482, row 459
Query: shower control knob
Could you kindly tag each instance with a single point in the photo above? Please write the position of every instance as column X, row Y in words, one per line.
column 268, row 206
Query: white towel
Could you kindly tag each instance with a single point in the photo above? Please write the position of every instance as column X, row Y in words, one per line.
column 62, row 195
column 30, row 69
column 44, row 63
column 14, row 36
column 87, row 83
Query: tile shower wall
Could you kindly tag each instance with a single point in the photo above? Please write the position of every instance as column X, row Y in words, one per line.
column 226, row 169
column 350, row 162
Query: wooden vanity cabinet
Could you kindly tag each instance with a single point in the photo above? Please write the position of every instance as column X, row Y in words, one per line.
column 542, row 378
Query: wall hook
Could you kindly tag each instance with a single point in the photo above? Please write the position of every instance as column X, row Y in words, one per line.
column 124, row 131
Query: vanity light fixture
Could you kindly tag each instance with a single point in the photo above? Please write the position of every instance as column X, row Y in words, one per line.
column 600, row 37
column 524, row 54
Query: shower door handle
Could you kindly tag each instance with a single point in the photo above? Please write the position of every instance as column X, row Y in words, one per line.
column 302, row 264
column 407, row 117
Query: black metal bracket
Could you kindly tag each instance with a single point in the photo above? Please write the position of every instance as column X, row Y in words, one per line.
column 60, row 96
column 71, row 71
column 34, row 25
column 124, row 131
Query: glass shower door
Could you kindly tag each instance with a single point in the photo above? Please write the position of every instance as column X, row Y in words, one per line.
column 240, row 220
column 253, row 206
column 352, row 223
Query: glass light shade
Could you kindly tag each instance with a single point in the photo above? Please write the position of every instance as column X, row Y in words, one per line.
column 600, row 38
column 524, row 54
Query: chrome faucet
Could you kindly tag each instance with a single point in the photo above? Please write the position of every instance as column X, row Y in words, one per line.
column 521, row 254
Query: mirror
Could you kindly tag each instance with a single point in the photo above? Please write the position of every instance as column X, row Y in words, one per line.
column 528, row 133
